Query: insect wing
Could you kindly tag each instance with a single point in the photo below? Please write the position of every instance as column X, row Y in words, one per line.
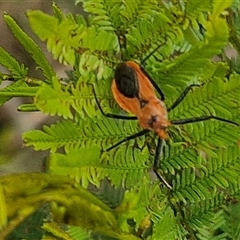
column 126, row 80
column 130, row 105
column 146, row 89
column 131, row 88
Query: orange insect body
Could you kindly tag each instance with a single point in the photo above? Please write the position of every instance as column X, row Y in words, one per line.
column 150, row 111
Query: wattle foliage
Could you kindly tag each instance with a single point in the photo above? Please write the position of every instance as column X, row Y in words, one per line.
column 201, row 161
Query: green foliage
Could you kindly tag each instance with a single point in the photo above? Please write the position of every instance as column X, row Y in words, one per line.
column 82, row 209
column 31, row 47
column 201, row 161
column 12, row 65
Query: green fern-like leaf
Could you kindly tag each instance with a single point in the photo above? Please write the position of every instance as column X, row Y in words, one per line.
column 231, row 215
column 78, row 233
column 30, row 46
column 17, row 89
column 54, row 101
column 166, row 226
column 41, row 188
column 6, row 60
column 200, row 160
column 71, row 36
column 215, row 134
column 130, row 166
column 185, row 67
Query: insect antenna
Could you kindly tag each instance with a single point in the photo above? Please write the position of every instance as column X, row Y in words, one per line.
column 151, row 53
column 158, row 89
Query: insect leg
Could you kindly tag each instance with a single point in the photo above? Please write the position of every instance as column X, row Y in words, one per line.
column 182, row 96
column 199, row 119
column 157, row 88
column 135, row 135
column 156, row 163
column 154, row 84
column 110, row 115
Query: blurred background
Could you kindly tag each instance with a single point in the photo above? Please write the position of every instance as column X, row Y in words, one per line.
column 14, row 157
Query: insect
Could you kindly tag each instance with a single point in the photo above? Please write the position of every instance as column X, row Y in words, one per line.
column 134, row 91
